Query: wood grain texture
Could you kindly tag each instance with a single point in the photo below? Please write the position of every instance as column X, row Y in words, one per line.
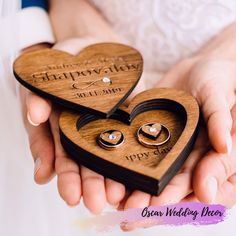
column 133, row 164
column 82, row 82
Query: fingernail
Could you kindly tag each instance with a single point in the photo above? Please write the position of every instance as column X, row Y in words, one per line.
column 30, row 121
column 37, row 165
column 71, row 206
column 114, row 207
column 124, row 225
column 229, row 144
column 212, row 188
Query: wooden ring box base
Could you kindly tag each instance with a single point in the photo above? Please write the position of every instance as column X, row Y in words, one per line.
column 133, row 164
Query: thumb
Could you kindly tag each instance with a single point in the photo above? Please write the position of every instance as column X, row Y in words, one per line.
column 38, row 109
column 141, row 86
column 216, row 112
column 74, row 45
column 213, row 170
column 211, row 173
column 216, row 98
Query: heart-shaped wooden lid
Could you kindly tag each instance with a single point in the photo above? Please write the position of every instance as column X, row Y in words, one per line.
column 97, row 80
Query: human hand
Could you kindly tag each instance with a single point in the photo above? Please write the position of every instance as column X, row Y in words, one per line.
column 51, row 159
column 41, row 117
column 77, row 34
column 190, row 184
column 211, row 173
column 211, row 80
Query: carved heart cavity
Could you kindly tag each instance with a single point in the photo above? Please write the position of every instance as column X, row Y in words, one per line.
column 132, row 163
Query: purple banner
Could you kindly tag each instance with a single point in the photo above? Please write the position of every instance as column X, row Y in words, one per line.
column 178, row 214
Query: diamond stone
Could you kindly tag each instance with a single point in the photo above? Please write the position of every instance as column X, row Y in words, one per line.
column 106, row 80
column 112, row 137
column 152, row 129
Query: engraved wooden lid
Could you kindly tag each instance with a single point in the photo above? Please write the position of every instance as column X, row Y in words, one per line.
column 97, row 80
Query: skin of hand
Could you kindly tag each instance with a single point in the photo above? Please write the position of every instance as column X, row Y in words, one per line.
column 41, row 122
column 41, row 117
column 190, row 184
column 71, row 188
column 209, row 174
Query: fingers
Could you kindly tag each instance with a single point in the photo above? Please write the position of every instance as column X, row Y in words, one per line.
column 190, row 198
column 121, row 205
column 211, row 173
column 227, row 192
column 38, row 109
column 93, row 188
column 138, row 89
column 42, row 149
column 74, row 45
column 69, row 182
column 177, row 76
column 137, row 199
column 177, row 189
column 115, row 191
column 212, row 82
column 40, row 137
column 130, row 226
column 174, row 192
column 216, row 110
column 181, row 185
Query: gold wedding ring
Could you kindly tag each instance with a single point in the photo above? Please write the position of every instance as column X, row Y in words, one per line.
column 153, row 135
column 110, row 139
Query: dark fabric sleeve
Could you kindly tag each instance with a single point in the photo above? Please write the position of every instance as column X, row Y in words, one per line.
column 35, row 3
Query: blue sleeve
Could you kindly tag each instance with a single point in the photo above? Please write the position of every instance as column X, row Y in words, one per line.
column 35, row 3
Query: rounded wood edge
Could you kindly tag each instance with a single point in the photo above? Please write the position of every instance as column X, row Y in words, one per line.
column 193, row 114
column 187, row 101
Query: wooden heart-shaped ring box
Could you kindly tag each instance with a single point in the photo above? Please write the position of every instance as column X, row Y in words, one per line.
column 143, row 145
